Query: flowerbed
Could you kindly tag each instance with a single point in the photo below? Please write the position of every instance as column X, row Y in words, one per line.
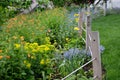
column 32, row 47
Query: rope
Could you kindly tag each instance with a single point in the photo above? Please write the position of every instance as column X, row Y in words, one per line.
column 89, row 37
column 94, row 77
column 78, row 69
column 83, row 29
column 83, row 39
column 90, row 50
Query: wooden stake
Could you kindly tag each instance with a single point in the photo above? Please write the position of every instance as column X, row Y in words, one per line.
column 95, row 44
column 88, row 31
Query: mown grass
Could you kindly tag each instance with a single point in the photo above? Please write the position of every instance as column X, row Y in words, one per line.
column 109, row 29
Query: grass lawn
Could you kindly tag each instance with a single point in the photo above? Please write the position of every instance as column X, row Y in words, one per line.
column 109, row 29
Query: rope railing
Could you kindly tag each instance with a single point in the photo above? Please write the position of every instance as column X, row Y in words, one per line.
column 83, row 39
column 89, row 37
column 94, row 77
column 83, row 29
column 78, row 69
column 90, row 50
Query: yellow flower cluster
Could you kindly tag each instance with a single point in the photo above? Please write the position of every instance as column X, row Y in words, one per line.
column 34, row 47
column 77, row 20
column 76, row 15
column 28, row 65
column 31, row 56
column 76, row 28
column 45, row 61
column 67, row 39
column 17, row 46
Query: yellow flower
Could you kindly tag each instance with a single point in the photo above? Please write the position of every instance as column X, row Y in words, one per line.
column 76, row 19
column 47, row 48
column 76, row 28
column 33, row 57
column 67, row 39
column 17, row 46
column 31, row 47
column 26, row 47
column 28, row 65
column 75, row 15
column 35, row 44
column 42, row 61
column 34, row 50
column 25, row 61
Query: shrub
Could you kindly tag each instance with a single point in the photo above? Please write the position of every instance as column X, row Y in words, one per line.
column 68, row 2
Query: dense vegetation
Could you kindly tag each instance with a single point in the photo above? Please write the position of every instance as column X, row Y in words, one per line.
column 34, row 47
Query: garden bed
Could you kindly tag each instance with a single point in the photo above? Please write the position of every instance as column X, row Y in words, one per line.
column 35, row 46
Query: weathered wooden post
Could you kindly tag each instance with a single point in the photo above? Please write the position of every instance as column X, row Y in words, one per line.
column 95, row 44
column 88, row 28
column 80, row 23
column 92, row 45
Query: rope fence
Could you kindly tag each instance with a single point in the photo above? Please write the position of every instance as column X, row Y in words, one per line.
column 78, row 69
column 92, row 44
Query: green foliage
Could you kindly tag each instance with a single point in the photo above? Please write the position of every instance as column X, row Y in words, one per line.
column 5, row 14
column 73, row 77
column 29, row 43
column 69, row 65
column 18, row 4
column 68, row 2
column 9, row 8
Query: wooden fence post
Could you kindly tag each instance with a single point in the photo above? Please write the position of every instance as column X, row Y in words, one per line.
column 80, row 23
column 95, row 44
column 88, row 29
column 92, row 43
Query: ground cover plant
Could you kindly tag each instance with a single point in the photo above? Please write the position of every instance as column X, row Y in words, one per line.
column 33, row 46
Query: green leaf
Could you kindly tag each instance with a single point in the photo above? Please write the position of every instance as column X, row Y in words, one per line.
column 23, row 73
column 71, row 77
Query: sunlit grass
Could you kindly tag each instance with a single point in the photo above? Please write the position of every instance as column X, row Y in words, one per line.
column 109, row 28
